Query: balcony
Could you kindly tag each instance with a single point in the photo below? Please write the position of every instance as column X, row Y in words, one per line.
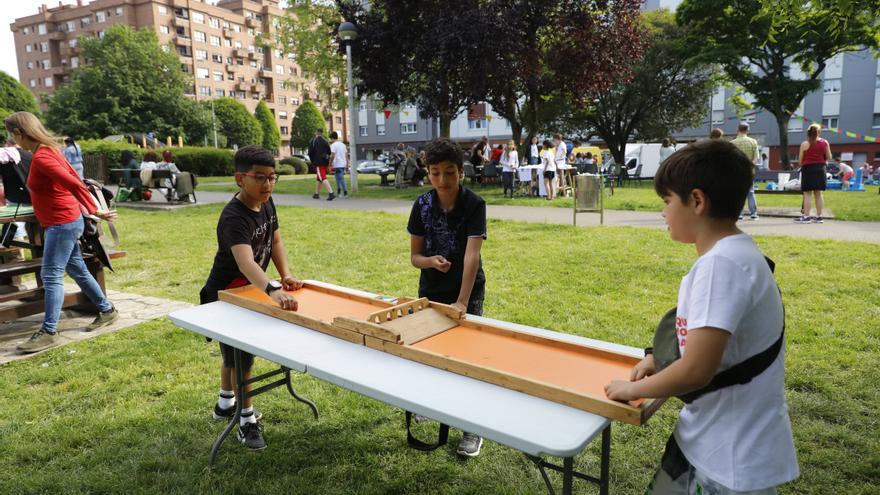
column 253, row 23
column 256, row 88
column 242, row 86
column 182, row 40
column 57, row 36
column 180, row 21
column 232, row 68
column 266, row 74
column 240, row 53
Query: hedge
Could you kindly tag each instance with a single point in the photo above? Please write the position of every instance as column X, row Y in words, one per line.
column 198, row 160
column 285, row 169
column 299, row 165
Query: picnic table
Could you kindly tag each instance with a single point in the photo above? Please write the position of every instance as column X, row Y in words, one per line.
column 18, row 302
column 534, row 426
column 161, row 179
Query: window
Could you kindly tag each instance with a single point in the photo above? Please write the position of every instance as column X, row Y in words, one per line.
column 717, row 117
column 74, row 62
column 217, row 58
column 204, row 91
column 73, row 43
column 408, row 128
column 182, row 13
column 876, row 123
column 282, row 85
column 199, row 36
column 46, row 64
column 255, row 96
column 282, row 100
column 253, row 63
column 477, row 124
column 831, row 86
column 338, row 120
column 830, row 122
column 282, row 115
column 294, row 101
column 100, row 17
column 218, row 76
column 198, row 17
column 877, row 84
column 70, row 26
column 181, row 32
column 219, row 93
column 41, row 29
column 241, row 95
column 237, row 44
column 48, row 82
column 380, row 129
column 214, row 23
column 30, row 65
column 85, row 21
column 293, row 71
column 163, row 10
column 28, row 48
column 215, row 40
column 363, row 131
column 227, row 42
column 44, row 46
column 201, row 73
column 119, row 11
column 749, row 119
column 279, row 69
column 100, row 35
column 201, row 55
column 33, row 83
column 362, row 105
column 26, row 30
column 165, row 48
column 284, row 130
column 164, row 30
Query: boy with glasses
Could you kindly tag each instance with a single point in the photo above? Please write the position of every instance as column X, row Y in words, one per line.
column 247, row 239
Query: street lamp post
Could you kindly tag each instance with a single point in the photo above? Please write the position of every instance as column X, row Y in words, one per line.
column 348, row 33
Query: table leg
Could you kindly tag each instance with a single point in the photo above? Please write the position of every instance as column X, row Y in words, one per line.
column 605, row 466
column 569, row 474
column 296, row 396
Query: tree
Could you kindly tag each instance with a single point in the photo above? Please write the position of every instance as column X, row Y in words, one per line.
column 236, row 123
column 308, row 30
column 306, row 121
column 667, row 92
column 545, row 52
column 14, row 97
column 756, row 43
column 403, row 54
column 271, row 134
column 129, row 85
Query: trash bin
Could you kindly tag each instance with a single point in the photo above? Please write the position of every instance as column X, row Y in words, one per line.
column 588, row 195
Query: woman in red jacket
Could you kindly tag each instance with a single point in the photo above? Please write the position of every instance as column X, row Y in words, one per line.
column 59, row 198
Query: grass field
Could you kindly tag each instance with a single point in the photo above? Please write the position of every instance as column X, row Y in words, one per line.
column 129, row 412
column 639, row 197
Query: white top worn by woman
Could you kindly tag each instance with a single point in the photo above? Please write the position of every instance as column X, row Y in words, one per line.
column 509, row 161
column 549, row 160
column 739, row 436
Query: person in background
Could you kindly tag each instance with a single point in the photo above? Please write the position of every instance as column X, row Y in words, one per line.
column 339, row 162
column 548, row 158
column 73, row 155
column 846, row 174
column 59, row 199
column 765, row 162
column 319, row 155
column 716, row 133
column 561, row 158
column 15, row 164
column 496, row 154
column 749, row 147
column 509, row 163
column 534, row 153
column 814, row 153
column 666, row 149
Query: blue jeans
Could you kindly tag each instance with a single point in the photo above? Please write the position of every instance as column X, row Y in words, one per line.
column 753, row 205
column 61, row 253
column 339, row 173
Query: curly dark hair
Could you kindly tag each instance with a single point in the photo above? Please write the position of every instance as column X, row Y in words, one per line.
column 444, row 150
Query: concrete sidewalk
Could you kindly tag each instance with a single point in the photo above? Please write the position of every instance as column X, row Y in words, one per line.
column 785, row 226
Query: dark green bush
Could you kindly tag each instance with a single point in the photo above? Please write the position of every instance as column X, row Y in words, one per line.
column 285, row 169
column 111, row 150
column 203, row 161
column 299, row 165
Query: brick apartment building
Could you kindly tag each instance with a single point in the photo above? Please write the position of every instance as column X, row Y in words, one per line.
column 216, row 44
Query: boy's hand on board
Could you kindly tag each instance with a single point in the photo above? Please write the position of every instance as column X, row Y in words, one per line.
column 291, row 283
column 643, row 369
column 620, row 390
column 440, row 263
column 285, row 300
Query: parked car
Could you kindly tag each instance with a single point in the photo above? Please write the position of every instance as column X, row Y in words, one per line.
column 373, row 167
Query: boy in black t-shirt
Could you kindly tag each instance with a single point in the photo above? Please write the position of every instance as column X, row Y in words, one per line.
column 447, row 227
column 247, row 238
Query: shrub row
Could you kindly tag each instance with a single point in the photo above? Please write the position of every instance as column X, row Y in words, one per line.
column 200, row 161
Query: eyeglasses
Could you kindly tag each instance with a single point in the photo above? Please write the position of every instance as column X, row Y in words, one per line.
column 261, row 178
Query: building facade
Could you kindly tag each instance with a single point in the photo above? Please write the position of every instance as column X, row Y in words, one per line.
column 216, row 44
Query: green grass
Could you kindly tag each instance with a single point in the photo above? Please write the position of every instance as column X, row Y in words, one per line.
column 129, row 411
column 860, row 207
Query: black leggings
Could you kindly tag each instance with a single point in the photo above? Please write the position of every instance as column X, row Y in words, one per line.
column 507, row 180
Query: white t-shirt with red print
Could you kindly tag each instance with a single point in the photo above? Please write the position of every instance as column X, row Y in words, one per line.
column 739, row 436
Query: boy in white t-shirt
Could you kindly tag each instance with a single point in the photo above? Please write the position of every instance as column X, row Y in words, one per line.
column 734, row 439
column 339, row 162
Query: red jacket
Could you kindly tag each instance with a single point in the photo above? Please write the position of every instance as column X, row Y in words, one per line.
column 56, row 190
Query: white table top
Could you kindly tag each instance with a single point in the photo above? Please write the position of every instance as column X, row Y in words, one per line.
column 529, row 424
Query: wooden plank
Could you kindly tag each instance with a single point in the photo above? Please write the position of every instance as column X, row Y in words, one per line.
column 597, row 405
column 398, row 310
column 232, row 297
column 366, row 328
column 347, row 295
column 420, row 325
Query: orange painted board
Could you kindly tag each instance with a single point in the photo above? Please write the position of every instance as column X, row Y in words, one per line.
column 315, row 304
column 583, row 371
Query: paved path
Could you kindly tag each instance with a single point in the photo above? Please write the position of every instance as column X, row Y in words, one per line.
column 831, row 229
column 133, row 309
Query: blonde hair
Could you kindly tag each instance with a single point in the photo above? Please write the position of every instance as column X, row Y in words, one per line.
column 506, row 152
column 813, row 132
column 29, row 125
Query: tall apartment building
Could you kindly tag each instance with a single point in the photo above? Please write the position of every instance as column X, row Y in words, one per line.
column 216, row 44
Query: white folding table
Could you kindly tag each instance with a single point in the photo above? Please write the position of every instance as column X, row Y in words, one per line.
column 529, row 424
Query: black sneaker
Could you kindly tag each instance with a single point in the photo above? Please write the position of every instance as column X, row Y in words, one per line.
column 229, row 412
column 818, row 220
column 316, row 196
column 470, row 444
column 103, row 319
column 251, row 435
column 331, row 197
